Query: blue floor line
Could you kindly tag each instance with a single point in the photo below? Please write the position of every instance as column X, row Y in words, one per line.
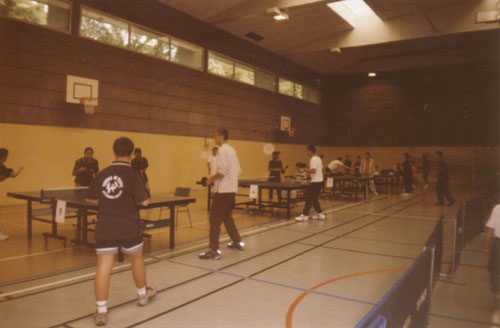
column 273, row 283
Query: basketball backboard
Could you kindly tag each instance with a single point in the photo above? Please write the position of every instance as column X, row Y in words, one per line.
column 80, row 87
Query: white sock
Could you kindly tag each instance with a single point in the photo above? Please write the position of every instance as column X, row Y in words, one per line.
column 141, row 291
column 102, row 306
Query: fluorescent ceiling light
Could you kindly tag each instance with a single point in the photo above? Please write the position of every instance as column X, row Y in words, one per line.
column 277, row 14
column 372, row 74
column 350, row 10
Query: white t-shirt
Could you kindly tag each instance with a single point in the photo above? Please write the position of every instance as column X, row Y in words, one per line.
column 212, row 160
column 334, row 165
column 229, row 166
column 316, row 163
column 494, row 220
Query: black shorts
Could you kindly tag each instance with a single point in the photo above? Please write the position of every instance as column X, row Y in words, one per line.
column 128, row 246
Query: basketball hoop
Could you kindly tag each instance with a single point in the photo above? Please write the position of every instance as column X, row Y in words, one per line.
column 89, row 104
column 291, row 131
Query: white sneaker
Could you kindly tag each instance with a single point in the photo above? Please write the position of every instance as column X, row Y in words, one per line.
column 405, row 194
column 3, row 237
column 302, row 217
column 319, row 216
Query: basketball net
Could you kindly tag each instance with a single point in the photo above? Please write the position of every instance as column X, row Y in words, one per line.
column 89, row 105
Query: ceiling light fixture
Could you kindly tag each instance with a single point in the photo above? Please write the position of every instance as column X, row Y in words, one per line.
column 277, row 14
column 351, row 10
column 372, row 74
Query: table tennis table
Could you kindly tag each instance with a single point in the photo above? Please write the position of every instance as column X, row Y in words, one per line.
column 75, row 199
column 282, row 202
column 350, row 184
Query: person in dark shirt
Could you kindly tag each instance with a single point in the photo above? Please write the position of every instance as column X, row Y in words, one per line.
column 6, row 173
column 348, row 163
column 86, row 168
column 426, row 169
column 118, row 190
column 357, row 166
column 442, row 184
column 140, row 164
column 407, row 175
column 275, row 168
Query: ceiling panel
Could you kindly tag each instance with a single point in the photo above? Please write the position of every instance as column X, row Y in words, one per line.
column 313, row 29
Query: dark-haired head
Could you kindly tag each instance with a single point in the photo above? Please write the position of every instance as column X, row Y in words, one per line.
column 3, row 153
column 123, row 147
column 138, row 151
column 222, row 132
column 311, row 148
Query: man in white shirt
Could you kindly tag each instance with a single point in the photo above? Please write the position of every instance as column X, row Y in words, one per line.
column 212, row 162
column 312, row 193
column 335, row 165
column 225, row 186
column 493, row 242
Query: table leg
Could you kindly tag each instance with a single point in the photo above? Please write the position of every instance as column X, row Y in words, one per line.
column 172, row 226
column 30, row 218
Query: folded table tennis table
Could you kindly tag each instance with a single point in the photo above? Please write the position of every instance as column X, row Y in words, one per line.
column 75, row 198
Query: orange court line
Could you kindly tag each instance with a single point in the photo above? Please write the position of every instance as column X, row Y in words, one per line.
column 292, row 308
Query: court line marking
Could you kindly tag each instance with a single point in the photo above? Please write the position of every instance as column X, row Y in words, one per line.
column 247, row 259
column 293, row 306
column 150, row 258
column 405, row 216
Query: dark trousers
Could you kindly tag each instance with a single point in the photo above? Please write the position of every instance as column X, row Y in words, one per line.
column 220, row 212
column 443, row 190
column 494, row 266
column 408, row 182
column 271, row 190
column 312, row 196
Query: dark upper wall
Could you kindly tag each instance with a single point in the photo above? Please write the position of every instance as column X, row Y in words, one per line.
column 139, row 93
column 447, row 106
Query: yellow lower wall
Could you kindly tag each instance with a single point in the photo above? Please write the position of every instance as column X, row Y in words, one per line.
column 48, row 155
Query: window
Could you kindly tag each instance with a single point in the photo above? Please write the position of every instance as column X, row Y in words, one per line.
column 286, row 87
column 186, row 53
column 244, row 73
column 265, row 80
column 54, row 14
column 232, row 69
column 300, row 91
column 117, row 32
column 220, row 65
column 149, row 43
column 99, row 27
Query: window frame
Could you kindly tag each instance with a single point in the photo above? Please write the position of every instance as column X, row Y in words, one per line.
column 70, row 20
column 128, row 48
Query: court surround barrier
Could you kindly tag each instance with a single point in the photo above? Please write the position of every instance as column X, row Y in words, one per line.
column 407, row 303
column 469, row 223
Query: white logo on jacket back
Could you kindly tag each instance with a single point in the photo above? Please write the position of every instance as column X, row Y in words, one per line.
column 112, row 187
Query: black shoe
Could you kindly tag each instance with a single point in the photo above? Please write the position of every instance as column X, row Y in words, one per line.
column 452, row 202
column 239, row 245
column 210, row 255
column 439, row 204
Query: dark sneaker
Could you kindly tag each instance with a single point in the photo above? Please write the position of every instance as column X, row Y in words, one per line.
column 144, row 300
column 100, row 318
column 239, row 245
column 210, row 255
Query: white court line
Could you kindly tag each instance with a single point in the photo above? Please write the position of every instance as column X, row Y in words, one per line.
column 153, row 258
column 147, row 259
column 430, row 218
column 34, row 254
